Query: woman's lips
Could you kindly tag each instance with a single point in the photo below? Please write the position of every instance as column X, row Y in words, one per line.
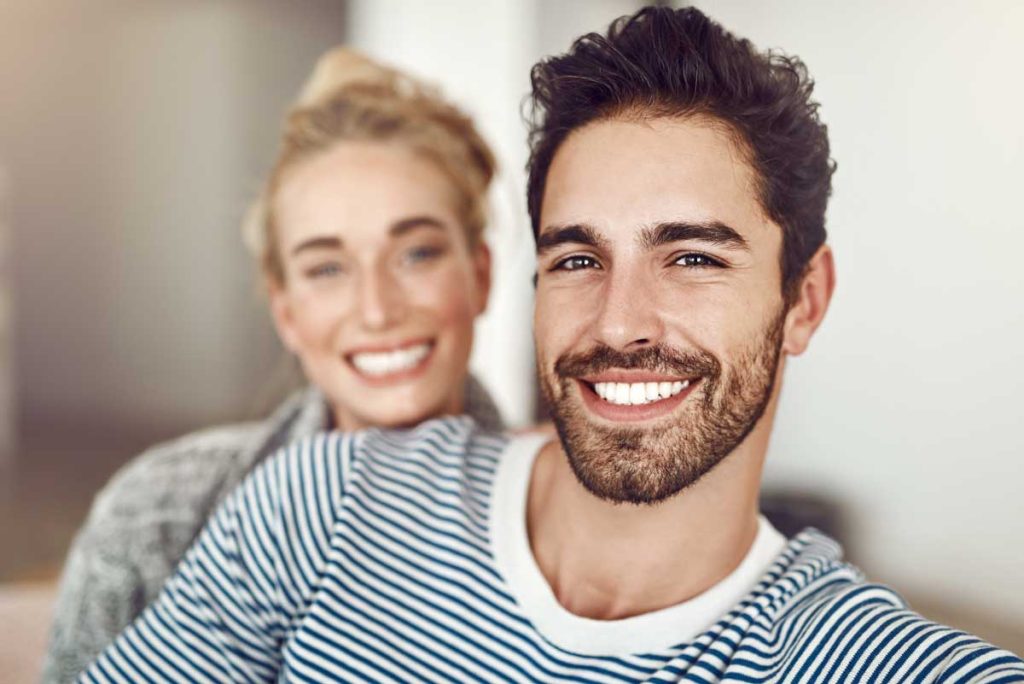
column 390, row 365
column 636, row 400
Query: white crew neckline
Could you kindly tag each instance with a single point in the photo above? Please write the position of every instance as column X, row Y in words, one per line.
column 646, row 633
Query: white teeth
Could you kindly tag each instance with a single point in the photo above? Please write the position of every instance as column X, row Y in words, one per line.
column 384, row 363
column 633, row 394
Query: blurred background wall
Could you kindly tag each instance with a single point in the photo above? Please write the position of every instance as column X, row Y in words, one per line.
column 133, row 132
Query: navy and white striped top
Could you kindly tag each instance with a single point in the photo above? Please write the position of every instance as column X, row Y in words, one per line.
column 370, row 557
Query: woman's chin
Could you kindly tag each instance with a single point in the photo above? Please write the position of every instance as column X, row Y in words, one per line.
column 390, row 412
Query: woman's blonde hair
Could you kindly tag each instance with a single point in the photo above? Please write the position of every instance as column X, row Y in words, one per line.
column 351, row 97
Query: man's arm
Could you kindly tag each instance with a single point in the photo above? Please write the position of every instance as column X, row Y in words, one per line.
column 137, row 532
column 101, row 592
column 221, row 616
column 226, row 612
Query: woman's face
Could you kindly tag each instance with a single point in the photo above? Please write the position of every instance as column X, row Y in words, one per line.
column 380, row 285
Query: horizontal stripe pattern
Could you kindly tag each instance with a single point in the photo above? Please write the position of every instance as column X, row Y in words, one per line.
column 367, row 558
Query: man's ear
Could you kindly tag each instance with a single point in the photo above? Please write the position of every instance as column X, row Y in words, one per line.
column 482, row 275
column 281, row 312
column 811, row 302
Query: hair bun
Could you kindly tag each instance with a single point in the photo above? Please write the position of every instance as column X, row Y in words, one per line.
column 340, row 69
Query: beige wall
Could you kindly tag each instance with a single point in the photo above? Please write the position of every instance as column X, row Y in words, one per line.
column 7, row 432
column 134, row 133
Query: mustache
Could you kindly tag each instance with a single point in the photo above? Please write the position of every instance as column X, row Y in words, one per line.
column 656, row 358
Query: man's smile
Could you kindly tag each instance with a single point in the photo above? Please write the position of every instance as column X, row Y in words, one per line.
column 630, row 395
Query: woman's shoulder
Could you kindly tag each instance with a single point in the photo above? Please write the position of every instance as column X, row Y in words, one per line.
column 145, row 518
column 180, row 477
column 183, row 479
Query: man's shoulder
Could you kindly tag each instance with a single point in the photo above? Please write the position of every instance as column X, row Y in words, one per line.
column 844, row 628
column 449, row 442
column 865, row 632
column 440, row 458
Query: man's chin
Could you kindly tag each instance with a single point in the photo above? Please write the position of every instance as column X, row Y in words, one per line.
column 618, row 464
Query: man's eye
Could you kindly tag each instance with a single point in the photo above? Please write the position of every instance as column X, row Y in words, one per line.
column 327, row 270
column 697, row 260
column 576, row 263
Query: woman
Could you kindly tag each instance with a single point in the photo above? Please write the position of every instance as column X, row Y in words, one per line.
column 369, row 237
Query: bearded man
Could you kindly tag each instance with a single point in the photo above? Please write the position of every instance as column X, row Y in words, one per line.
column 678, row 185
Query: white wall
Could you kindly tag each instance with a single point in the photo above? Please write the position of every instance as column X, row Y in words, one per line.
column 907, row 407
column 475, row 52
column 480, row 52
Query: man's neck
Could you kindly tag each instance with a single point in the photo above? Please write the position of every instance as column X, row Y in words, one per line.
column 609, row 561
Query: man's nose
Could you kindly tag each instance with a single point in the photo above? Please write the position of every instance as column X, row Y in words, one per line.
column 629, row 317
column 381, row 302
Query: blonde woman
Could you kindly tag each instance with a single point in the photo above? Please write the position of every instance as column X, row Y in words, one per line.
column 368, row 234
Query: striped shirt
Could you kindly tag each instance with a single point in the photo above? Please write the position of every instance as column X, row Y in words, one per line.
column 372, row 557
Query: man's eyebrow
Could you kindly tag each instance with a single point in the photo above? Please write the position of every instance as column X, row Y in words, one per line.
column 577, row 233
column 403, row 226
column 715, row 232
column 321, row 242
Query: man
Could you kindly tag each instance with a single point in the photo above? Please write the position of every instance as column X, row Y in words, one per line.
column 678, row 184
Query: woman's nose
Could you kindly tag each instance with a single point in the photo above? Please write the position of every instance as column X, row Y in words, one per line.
column 381, row 304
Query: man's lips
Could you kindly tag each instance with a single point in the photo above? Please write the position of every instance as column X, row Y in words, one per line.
column 630, row 395
column 631, row 375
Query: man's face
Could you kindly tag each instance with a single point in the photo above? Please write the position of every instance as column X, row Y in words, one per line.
column 659, row 314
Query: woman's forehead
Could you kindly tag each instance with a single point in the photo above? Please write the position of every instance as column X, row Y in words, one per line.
column 362, row 190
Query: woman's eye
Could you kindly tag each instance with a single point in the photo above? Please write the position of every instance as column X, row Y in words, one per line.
column 419, row 254
column 697, row 260
column 576, row 263
column 326, row 270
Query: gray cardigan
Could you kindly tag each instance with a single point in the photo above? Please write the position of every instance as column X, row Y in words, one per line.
column 147, row 516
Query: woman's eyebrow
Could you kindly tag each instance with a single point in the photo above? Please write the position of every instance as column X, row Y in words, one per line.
column 398, row 228
column 403, row 226
column 321, row 242
column 714, row 232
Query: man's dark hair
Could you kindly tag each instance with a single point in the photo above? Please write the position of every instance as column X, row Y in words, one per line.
column 670, row 63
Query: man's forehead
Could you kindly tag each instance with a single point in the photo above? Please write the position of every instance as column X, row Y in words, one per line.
column 614, row 174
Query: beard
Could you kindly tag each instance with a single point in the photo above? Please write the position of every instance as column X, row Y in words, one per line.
column 648, row 465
